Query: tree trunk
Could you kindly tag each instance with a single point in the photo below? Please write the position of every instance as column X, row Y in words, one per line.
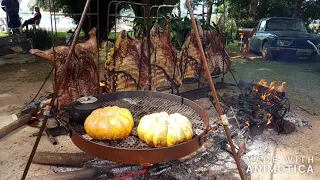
column 297, row 9
column 253, row 8
column 209, row 6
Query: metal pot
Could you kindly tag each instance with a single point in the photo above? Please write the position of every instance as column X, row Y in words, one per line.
column 83, row 108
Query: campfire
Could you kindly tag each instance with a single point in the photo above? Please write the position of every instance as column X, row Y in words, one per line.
column 261, row 104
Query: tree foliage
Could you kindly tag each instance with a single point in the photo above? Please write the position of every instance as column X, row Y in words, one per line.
column 270, row 8
column 71, row 6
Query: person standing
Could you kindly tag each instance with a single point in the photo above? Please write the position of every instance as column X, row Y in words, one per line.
column 36, row 18
column 11, row 7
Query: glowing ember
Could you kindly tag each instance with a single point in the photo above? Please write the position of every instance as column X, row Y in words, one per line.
column 34, row 118
column 129, row 175
column 39, row 112
column 146, row 165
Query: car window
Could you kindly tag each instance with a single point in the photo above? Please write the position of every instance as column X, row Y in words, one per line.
column 285, row 25
column 262, row 26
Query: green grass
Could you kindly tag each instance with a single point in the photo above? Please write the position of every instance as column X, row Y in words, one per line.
column 303, row 79
column 115, row 35
column 112, row 36
column 64, row 34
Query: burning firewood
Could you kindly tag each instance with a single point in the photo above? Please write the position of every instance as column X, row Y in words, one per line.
column 82, row 77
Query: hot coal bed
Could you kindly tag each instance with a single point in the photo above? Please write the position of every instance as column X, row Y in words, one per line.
column 253, row 114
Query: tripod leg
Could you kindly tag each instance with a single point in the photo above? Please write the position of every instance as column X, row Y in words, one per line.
column 35, row 146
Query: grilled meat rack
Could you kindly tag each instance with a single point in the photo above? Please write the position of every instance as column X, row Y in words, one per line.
column 133, row 150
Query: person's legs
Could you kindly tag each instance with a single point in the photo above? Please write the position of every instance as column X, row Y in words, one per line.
column 27, row 22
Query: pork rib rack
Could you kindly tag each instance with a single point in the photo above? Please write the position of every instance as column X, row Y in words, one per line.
column 82, row 76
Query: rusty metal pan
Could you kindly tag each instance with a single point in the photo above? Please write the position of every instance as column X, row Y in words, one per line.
column 133, row 151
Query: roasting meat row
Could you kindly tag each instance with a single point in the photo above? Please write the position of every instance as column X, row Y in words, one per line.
column 127, row 67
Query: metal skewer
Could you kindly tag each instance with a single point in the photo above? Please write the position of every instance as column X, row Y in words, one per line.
column 223, row 117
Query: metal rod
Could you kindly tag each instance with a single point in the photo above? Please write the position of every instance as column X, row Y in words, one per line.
column 149, row 43
column 56, row 35
column 64, row 71
column 214, row 93
column 98, row 36
column 225, row 40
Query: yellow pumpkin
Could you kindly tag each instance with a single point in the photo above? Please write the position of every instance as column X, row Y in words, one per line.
column 163, row 130
column 109, row 123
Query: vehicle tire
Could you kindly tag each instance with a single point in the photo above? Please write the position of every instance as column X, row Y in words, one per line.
column 266, row 53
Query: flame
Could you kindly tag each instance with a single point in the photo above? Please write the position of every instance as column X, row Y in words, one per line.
column 269, row 118
column 281, row 88
column 272, row 86
column 102, row 83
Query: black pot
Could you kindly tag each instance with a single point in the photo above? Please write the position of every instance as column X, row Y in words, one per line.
column 83, row 108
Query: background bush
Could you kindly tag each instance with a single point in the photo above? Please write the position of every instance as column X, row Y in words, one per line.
column 246, row 23
column 41, row 38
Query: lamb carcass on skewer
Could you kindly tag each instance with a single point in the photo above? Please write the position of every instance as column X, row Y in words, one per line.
column 216, row 51
column 217, row 58
column 82, row 76
column 126, row 67
column 164, row 60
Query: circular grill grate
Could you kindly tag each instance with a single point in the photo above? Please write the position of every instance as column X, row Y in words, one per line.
column 140, row 106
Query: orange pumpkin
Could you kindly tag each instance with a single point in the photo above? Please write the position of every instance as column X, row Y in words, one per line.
column 109, row 123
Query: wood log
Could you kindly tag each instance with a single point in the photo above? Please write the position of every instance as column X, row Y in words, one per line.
column 202, row 149
column 61, row 159
column 16, row 124
column 85, row 173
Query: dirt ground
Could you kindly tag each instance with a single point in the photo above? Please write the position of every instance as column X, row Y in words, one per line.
column 20, row 82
